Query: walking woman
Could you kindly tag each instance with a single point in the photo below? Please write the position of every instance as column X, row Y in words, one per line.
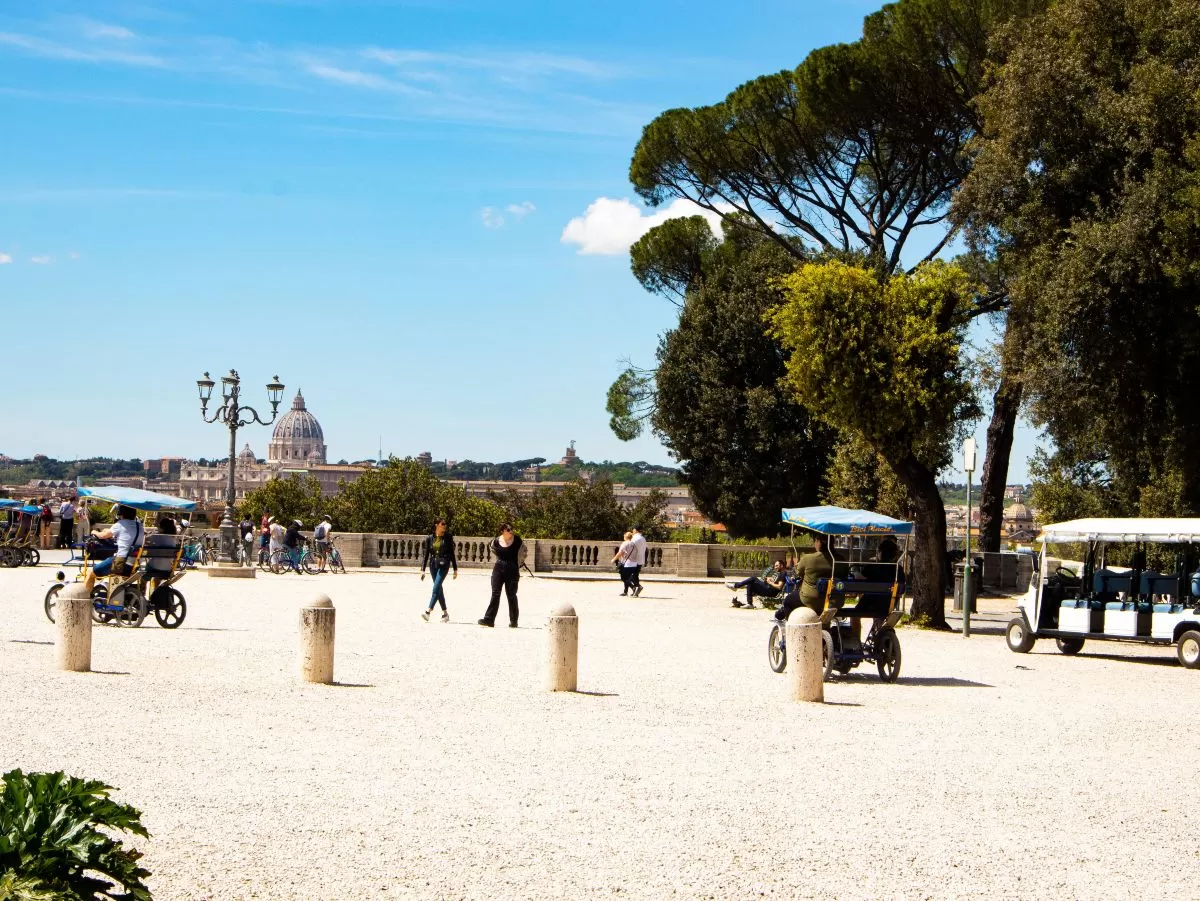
column 439, row 557
column 506, row 548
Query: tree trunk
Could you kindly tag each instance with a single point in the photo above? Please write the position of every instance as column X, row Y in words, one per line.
column 929, row 562
column 1005, row 406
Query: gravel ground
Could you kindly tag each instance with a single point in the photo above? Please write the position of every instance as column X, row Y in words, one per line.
column 439, row 768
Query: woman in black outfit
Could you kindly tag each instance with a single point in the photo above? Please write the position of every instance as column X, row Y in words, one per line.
column 439, row 557
column 506, row 549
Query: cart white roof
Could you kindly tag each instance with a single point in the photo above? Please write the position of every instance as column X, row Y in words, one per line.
column 1134, row 529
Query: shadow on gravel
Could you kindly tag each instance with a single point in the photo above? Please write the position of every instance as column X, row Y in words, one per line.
column 28, row 641
column 829, row 703
column 597, row 694
column 984, row 630
column 352, row 685
column 942, row 682
column 104, row 672
column 214, row 629
column 1145, row 661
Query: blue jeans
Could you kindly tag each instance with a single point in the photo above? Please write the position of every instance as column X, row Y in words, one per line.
column 438, row 572
column 104, row 567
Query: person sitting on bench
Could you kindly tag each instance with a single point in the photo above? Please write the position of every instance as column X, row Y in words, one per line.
column 810, row 569
column 768, row 585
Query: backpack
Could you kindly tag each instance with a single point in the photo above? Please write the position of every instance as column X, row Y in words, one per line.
column 320, row 531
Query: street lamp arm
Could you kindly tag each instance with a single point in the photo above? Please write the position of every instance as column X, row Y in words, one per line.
column 218, row 414
column 253, row 417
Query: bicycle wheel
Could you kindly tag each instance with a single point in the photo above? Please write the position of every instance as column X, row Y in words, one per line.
column 264, row 559
column 280, row 563
column 310, row 564
column 335, row 562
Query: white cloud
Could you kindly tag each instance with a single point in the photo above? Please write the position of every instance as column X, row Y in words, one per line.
column 74, row 255
column 53, row 50
column 5, row 259
column 520, row 210
column 492, row 217
column 610, row 226
column 361, row 79
column 102, row 31
column 41, row 261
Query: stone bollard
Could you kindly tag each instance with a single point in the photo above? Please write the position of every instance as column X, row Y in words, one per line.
column 73, row 617
column 805, row 648
column 316, row 641
column 562, row 649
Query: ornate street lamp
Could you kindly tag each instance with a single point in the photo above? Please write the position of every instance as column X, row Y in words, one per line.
column 234, row 415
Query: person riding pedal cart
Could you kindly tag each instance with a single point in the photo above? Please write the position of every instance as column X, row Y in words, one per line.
column 129, row 535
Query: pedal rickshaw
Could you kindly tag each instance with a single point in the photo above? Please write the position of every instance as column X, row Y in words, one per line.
column 148, row 584
column 1154, row 598
column 20, row 544
column 861, row 587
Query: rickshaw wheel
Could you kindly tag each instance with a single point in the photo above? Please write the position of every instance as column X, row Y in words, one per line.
column 100, row 596
column 827, row 654
column 1069, row 646
column 887, row 655
column 776, row 650
column 1188, row 650
column 1019, row 640
column 32, row 557
column 9, row 557
column 170, row 609
column 52, row 600
column 133, row 611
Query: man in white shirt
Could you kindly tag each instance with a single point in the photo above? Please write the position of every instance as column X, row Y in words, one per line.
column 277, row 535
column 636, row 559
column 129, row 535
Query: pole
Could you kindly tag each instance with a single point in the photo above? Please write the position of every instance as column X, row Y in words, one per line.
column 968, row 581
column 227, row 525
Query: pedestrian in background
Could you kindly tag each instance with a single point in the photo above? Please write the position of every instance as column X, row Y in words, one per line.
column 85, row 520
column 438, row 555
column 506, row 573
column 624, row 567
column 45, row 523
column 637, row 559
column 66, row 522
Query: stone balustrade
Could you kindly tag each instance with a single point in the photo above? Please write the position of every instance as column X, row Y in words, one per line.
column 548, row 555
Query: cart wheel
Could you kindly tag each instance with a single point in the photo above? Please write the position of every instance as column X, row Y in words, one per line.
column 1069, row 646
column 827, row 654
column 9, row 557
column 52, row 600
column 1188, row 651
column 170, row 608
column 99, row 598
column 133, row 611
column 887, row 655
column 1020, row 641
column 32, row 557
column 776, row 649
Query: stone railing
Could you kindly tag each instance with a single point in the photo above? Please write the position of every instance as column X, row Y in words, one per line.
column 561, row 555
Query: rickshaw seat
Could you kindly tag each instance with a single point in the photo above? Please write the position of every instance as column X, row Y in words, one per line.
column 159, row 553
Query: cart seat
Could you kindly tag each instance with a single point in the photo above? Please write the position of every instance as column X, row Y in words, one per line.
column 1159, row 583
column 1168, row 608
column 159, row 553
column 1108, row 582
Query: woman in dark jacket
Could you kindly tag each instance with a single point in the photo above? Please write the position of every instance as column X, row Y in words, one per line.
column 439, row 557
column 506, row 549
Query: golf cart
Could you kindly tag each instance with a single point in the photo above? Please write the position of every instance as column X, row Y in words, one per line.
column 1152, row 598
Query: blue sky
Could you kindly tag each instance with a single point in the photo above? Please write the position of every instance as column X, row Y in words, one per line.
column 415, row 211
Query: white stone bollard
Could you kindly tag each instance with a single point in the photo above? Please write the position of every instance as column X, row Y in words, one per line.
column 73, row 617
column 316, row 641
column 562, row 649
column 805, row 667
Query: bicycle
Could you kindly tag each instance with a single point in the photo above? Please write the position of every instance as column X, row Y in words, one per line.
column 332, row 557
column 301, row 560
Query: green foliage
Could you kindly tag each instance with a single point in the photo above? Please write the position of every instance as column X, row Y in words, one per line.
column 880, row 359
column 580, row 510
column 1088, row 186
column 94, row 471
column 630, row 403
column 858, row 477
column 405, row 497
column 54, row 841
column 294, row 497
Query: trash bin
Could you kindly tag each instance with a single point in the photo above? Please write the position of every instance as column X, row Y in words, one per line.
column 960, row 570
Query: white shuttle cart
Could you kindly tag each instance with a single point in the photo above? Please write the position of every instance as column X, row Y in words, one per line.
column 1105, row 602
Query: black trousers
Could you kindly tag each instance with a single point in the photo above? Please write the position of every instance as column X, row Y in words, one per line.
column 506, row 577
column 65, row 530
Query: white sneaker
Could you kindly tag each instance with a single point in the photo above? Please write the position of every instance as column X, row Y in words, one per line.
column 425, row 616
column 445, row 617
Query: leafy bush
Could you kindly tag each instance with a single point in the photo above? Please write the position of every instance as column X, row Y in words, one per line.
column 52, row 846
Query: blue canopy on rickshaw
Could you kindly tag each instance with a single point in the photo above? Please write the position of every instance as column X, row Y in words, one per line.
column 146, row 501
column 6, row 504
column 829, row 520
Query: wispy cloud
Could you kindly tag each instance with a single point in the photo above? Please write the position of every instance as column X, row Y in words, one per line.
column 5, row 259
column 361, row 79
column 91, row 53
column 494, row 217
column 42, row 260
column 103, row 31
column 610, row 226
column 39, row 195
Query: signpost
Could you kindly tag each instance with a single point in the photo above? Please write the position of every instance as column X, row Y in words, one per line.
column 968, row 581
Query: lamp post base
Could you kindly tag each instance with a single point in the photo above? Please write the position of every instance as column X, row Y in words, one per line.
column 230, row 571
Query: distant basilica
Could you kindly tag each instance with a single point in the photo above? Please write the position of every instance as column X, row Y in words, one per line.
column 297, row 445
